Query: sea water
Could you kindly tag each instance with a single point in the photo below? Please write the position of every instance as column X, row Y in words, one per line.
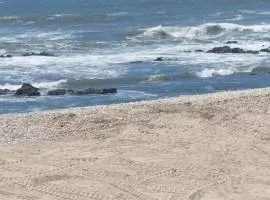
column 114, row 43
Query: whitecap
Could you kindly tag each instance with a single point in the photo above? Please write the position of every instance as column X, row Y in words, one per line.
column 214, row 72
column 264, row 13
column 116, row 14
column 203, row 31
column 237, row 18
column 40, row 85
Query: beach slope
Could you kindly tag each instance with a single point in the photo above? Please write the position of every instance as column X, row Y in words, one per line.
column 202, row 147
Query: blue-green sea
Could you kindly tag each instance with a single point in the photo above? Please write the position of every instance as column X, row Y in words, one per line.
column 114, row 43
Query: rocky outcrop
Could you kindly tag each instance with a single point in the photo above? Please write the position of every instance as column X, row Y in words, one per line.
column 4, row 91
column 27, row 90
column 82, row 92
column 39, row 54
column 227, row 49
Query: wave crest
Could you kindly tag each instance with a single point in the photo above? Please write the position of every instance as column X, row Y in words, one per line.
column 203, row 31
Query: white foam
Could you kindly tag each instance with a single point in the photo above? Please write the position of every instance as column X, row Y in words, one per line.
column 8, row 17
column 41, row 85
column 116, row 14
column 28, row 69
column 208, row 30
column 50, row 35
column 9, row 86
column 212, row 72
column 264, row 13
column 237, row 18
column 3, row 51
column 66, row 15
column 247, row 11
column 38, row 36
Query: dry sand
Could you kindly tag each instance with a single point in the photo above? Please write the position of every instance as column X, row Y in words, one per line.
column 207, row 147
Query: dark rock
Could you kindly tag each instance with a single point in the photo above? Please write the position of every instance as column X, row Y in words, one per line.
column 252, row 73
column 267, row 50
column 58, row 92
column 96, row 91
column 232, row 42
column 39, row 54
column 224, row 49
column 159, row 59
column 93, row 91
column 199, row 50
column 27, row 90
column 227, row 49
column 237, row 50
column 46, row 54
column 87, row 91
column 136, row 62
column 109, row 91
column 252, row 52
column 6, row 56
column 4, row 91
column 188, row 51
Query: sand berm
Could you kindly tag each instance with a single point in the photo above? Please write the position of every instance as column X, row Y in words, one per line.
column 202, row 147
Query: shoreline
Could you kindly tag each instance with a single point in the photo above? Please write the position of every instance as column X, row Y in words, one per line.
column 197, row 147
column 199, row 100
column 222, row 94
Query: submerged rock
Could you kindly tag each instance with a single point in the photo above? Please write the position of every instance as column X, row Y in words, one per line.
column 87, row 91
column 237, row 50
column 231, row 42
column 27, row 90
column 267, row 50
column 227, row 49
column 96, row 91
column 39, row 54
column 224, row 49
column 159, row 59
column 58, row 92
column 199, row 50
column 6, row 56
column 4, row 91
column 252, row 52
column 136, row 62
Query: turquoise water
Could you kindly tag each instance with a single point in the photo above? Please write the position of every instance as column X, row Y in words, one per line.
column 110, row 43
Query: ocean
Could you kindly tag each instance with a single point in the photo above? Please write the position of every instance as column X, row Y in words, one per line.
column 114, row 43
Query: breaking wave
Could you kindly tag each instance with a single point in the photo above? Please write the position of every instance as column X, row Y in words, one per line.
column 41, row 85
column 204, row 31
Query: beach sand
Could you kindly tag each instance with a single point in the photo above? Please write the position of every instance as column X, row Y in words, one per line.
column 202, row 147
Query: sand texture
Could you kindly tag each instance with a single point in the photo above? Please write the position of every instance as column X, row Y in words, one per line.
column 205, row 147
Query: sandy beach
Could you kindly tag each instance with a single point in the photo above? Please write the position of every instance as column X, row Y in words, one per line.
column 201, row 147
